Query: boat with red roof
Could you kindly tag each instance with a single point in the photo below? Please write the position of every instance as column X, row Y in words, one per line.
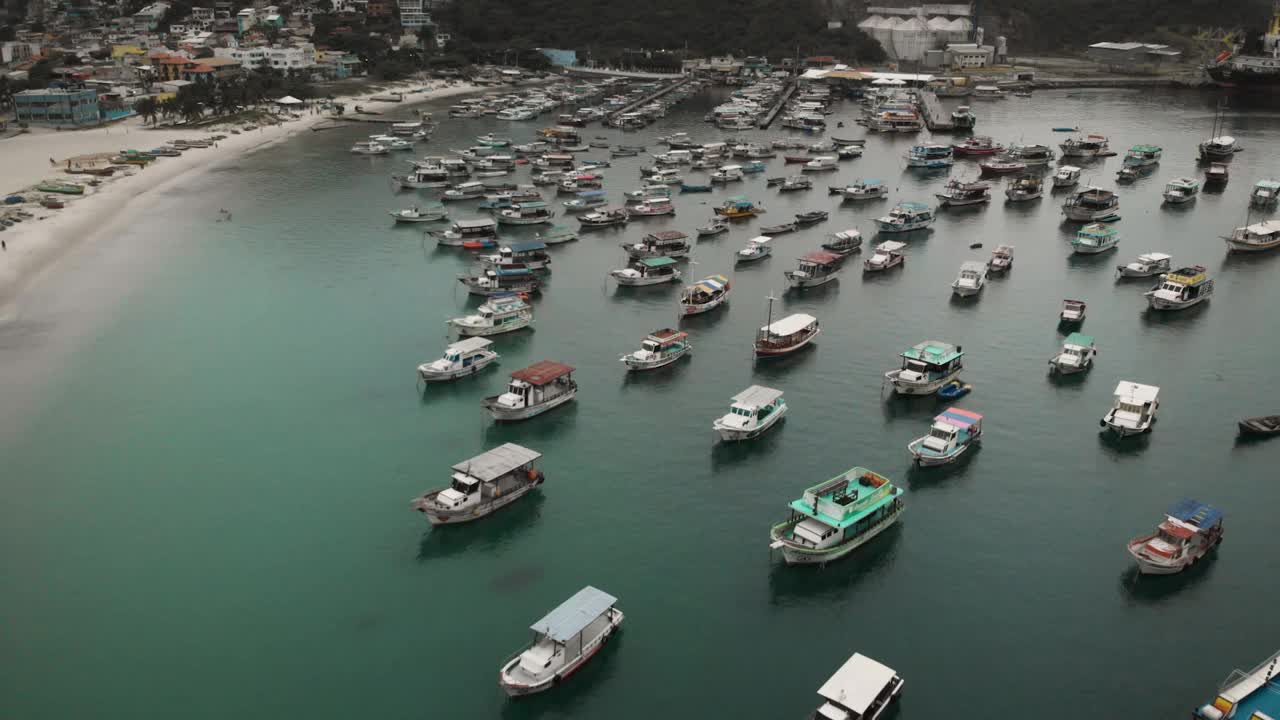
column 976, row 146
column 1189, row 531
column 816, row 268
column 532, row 391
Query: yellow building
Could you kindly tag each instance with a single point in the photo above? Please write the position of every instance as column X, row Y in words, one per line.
column 122, row 51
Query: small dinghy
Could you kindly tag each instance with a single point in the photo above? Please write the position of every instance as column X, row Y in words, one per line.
column 715, row 228
column 686, row 188
column 1261, row 425
column 779, row 229
column 954, row 389
column 813, row 216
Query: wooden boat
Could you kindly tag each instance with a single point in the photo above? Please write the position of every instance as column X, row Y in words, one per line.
column 482, row 485
column 533, row 391
column 811, row 217
column 844, row 243
column 1001, row 167
column 786, row 335
column 1217, row 174
column 779, row 229
column 1260, row 425
column 705, row 295
column 564, row 640
column 658, row 349
column 415, row 214
column 815, row 268
column 1190, row 530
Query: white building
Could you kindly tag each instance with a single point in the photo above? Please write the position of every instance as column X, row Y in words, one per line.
column 911, row 33
column 413, row 15
column 280, row 58
column 969, row 55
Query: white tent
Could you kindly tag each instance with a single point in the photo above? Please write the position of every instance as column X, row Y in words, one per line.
column 888, row 81
column 288, row 100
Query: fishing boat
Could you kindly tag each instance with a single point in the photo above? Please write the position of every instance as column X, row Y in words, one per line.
column 499, row 281
column 1133, row 409
column 905, row 217
column 1001, row 259
column 976, row 146
column 1086, row 146
column 822, row 163
column 989, row 92
column 844, row 243
column 1261, row 425
column 479, row 486
column 794, row 183
column 664, row 177
column 864, row 190
column 531, row 254
column 658, row 349
column 727, row 173
column 1094, row 239
column 1181, row 190
column 1257, row 237
column 1147, row 265
column 463, row 230
column 668, row 243
column 687, row 188
column 369, row 147
column 757, row 248
column 1076, row 355
column 738, row 207
column 1025, row 187
column 970, row 280
column 1031, row 155
column 815, row 268
column 1220, row 147
column 586, row 200
column 715, row 227
column 1189, row 531
column 563, row 641
column 526, row 213
column 604, row 218
column 651, row 207
column 1246, row 695
column 556, row 235
column 1265, row 194
column 751, row 414
column 930, row 156
column 501, row 313
column 462, row 358
column 951, row 435
column 831, row 520
column 1091, row 204
column 1140, row 156
column 962, row 118
column 959, row 193
column 533, row 391
column 647, row 271
column 60, row 187
column 416, row 214
column 1066, row 176
column 926, row 367
column 464, row 191
column 786, row 335
column 1181, row 289
column 812, row 216
column 492, row 140
column 779, row 229
column 1217, row 175
column 1001, row 166
column 1072, row 312
column 888, row 254
column 705, row 295
column 860, row 690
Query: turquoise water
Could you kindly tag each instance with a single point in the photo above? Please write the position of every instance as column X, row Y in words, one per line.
column 214, row 434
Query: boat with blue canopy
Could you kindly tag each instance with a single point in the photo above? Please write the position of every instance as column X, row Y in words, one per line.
column 951, row 435
column 832, row 519
column 1189, row 531
column 1247, row 695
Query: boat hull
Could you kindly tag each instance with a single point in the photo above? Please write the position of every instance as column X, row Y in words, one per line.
column 1162, row 304
column 1148, row 565
column 706, row 307
column 642, row 281
column 965, row 292
column 1234, row 245
column 513, row 689
column 502, row 414
column 800, row 282
column 439, row 517
column 795, row 555
column 902, row 387
column 906, row 227
column 426, row 374
column 1077, row 214
column 768, row 352
column 728, row 434
column 924, row 460
column 487, row 330
column 640, row 365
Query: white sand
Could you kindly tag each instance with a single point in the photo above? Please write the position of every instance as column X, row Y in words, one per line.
column 35, row 244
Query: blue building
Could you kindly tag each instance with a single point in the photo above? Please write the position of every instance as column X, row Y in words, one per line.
column 561, row 58
column 57, row 107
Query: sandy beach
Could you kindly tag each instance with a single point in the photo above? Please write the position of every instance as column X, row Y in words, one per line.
column 33, row 246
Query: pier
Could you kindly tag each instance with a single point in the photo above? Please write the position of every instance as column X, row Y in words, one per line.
column 777, row 107
column 935, row 117
column 650, row 97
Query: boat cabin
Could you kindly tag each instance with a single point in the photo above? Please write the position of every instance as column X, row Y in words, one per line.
column 752, row 409
column 541, row 382
column 887, row 255
column 562, row 640
column 860, row 690
column 479, row 481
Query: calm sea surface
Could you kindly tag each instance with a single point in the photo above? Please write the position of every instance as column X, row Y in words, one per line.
column 212, row 435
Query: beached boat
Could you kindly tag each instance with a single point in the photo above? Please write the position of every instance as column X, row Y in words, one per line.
column 1189, row 531
column 556, row 235
column 864, row 190
column 1246, row 695
column 1001, row 166
column 1072, row 312
column 1076, row 355
column 976, row 146
column 926, row 367
column 751, row 414
column 531, row 254
column 815, row 268
column 533, row 391
column 462, row 358
column 844, row 243
column 1001, row 259
column 60, row 187
column 1266, row 425
column 1091, row 204
column 1147, row 265
column 1086, row 146
column 1181, row 190
column 757, row 248
column 971, row 279
column 705, row 295
column 563, row 641
column 958, row 193
column 481, row 485
column 1217, row 175
column 499, row 314
column 1257, row 237
column 499, row 281
column 905, row 217
column 1094, row 239
column 715, row 227
column 786, row 335
column 887, row 255
column 647, row 271
column 951, row 435
column 860, row 690
column 782, row 229
column 930, row 156
column 1181, row 289
column 1265, row 193
column 1133, row 409
column 604, row 218
column 834, row 518
column 417, row 214
column 658, row 349
column 668, row 243
column 463, row 230
column 1066, row 176
column 738, row 207
column 1025, row 187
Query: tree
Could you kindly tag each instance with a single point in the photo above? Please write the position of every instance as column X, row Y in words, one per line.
column 146, row 109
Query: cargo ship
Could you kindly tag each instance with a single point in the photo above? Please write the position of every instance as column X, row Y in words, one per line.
column 1232, row 68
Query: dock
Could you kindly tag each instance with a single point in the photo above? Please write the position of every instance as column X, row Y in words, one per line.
column 685, row 80
column 777, row 107
column 935, row 117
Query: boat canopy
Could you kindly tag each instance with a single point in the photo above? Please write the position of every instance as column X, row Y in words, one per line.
column 529, row 246
column 963, row 419
column 1097, row 230
column 509, row 272
column 857, row 683
column 542, row 372
column 1268, row 184
column 668, row 335
column 1080, row 339
column 476, row 224
column 470, row 184
column 574, row 614
column 756, row 396
column 890, row 246
column 934, row 352
column 1267, row 227
column 759, row 240
column 790, row 325
column 712, row 284
column 666, row 236
column 1193, row 511
column 1145, row 149
column 1136, row 393
column 531, row 204
column 913, row 206
column 820, row 257
column 1188, row 275
column 495, row 463
column 470, row 345
column 1154, row 257
column 973, row 266
column 657, row 262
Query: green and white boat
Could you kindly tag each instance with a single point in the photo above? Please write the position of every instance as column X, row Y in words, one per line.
column 834, row 518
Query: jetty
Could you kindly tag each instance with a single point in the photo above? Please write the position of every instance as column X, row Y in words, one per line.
column 777, row 106
column 684, row 80
column 935, row 117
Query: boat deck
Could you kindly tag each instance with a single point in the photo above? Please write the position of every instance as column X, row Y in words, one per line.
column 589, row 633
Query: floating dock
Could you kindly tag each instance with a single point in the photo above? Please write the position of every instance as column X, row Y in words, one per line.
column 935, row 117
column 777, row 107
column 650, row 97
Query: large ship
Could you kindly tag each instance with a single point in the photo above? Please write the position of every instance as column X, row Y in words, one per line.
column 1234, row 68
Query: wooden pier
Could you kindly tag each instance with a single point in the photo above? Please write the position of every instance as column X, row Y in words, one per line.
column 777, row 107
column 650, row 97
column 935, row 117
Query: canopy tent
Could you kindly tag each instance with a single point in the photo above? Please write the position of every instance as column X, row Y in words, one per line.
column 889, row 81
column 288, row 100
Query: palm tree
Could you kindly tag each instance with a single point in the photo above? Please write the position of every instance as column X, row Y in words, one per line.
column 146, row 108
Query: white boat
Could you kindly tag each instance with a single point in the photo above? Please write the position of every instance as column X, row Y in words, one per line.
column 888, row 254
column 1076, row 355
column 834, row 518
column 1001, row 259
column 531, row 254
column 652, row 207
column 727, row 173
column 463, row 358
column 668, row 243
column 989, row 92
column 1073, row 312
column 959, row 193
column 816, row 268
column 1090, row 204
column 557, row 234
column 905, row 217
column 926, row 367
column 705, row 295
column 865, row 190
column 665, row 177
column 465, row 191
column 526, row 213
column 1025, row 187
column 950, row 436
column 416, row 214
column 370, row 147
column 659, row 349
column 971, row 279
column 757, row 248
column 1189, row 531
column 716, row 227
column 844, row 243
column 533, row 391
column 562, row 641
column 499, row 314
column 1030, row 155
column 860, row 690
column 647, row 271
column 1254, row 238
column 1265, row 194
column 822, row 163
column 1181, row 289
column 1086, row 146
column 393, row 144
column 1066, row 176
column 465, row 230
column 1133, row 409
column 1094, row 239
column 423, row 176
column 604, row 218
column 1147, row 265
column 785, row 336
column 753, row 412
column 794, row 183
column 481, row 485
column 1181, row 190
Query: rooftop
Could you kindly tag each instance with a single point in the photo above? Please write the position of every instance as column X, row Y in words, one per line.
column 857, row 683
column 574, row 614
column 846, row 498
column 497, row 462
column 790, row 325
column 757, row 396
column 542, row 372
column 935, row 352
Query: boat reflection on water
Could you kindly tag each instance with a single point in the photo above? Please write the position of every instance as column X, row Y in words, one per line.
column 725, row 455
column 514, row 520
column 1115, row 446
column 1157, row 589
column 545, row 429
column 920, row 478
column 791, row 585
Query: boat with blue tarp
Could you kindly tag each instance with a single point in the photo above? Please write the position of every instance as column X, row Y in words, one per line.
column 1189, row 531
column 1247, row 695
column 952, row 434
column 835, row 517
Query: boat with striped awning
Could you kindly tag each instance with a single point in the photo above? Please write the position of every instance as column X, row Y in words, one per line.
column 705, row 295
column 952, row 434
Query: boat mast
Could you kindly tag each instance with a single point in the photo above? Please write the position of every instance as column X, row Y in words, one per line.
column 768, row 326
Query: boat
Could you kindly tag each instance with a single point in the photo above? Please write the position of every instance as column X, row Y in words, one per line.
column 844, row 243
column 1261, row 425
column 416, row 214
column 795, row 159
column 795, row 182
column 370, row 147
column 526, row 213
column 423, row 176
column 1076, row 355
column 714, row 228
column 989, row 92
column 1091, row 204
column 462, row 358
column 492, row 140
column 1025, row 187
column 848, row 152
column 1133, row 409
column 757, row 248
column 60, row 187
column 976, row 146
column 864, row 190
column 1001, row 259
column 930, row 156
column 905, row 217
column 650, row 207
column 1032, row 155
column 704, row 296
column 1251, row 695
column 860, row 690
column 604, row 218
column 822, row 163
column 465, row 191
column 1254, row 238
column 1181, row 190
column 816, row 268
column 954, row 390
column 1217, row 175
column 926, row 367
column 1220, row 147
column 1066, row 176
column 738, row 207
column 752, row 413
column 951, row 435
column 962, row 118
column 668, row 243
column 1181, row 289
column 779, row 229
column 958, row 193
column 839, row 141
column 970, row 280
column 479, row 486
column 501, row 313
column 586, row 200
column 1189, row 531
column 499, row 281
column 1265, row 194
column 1094, row 239
column 727, row 173
column 753, row 167
column 556, row 235
column 563, row 641
column 664, row 177
column 463, row 230
column 530, row 254
column 647, row 271
column 831, row 520
column 1143, row 156
column 1147, row 265
column 658, row 349
column 532, row 391
column 1129, row 173
column 786, row 335
column 1001, row 166
column 687, row 188
column 812, row 216
column 1086, row 146
column 1072, row 312
column 887, row 255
